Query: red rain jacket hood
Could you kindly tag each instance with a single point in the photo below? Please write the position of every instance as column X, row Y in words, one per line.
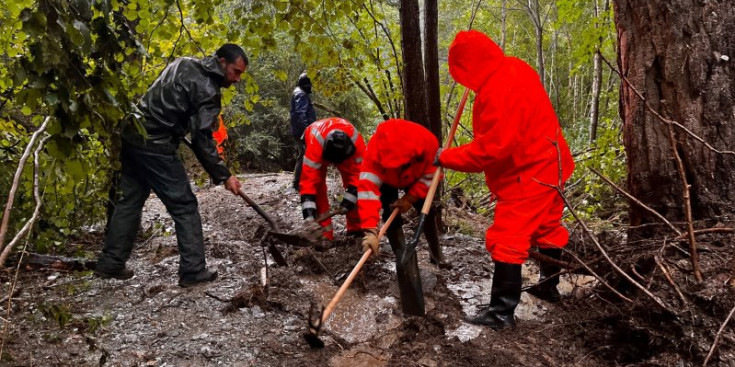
column 513, row 122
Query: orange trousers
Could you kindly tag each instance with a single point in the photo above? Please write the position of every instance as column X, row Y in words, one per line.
column 524, row 222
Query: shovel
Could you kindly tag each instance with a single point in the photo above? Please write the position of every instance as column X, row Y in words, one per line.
column 306, row 234
column 312, row 337
column 409, row 250
column 274, row 251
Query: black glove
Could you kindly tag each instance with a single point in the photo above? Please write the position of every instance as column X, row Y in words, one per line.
column 436, row 157
column 349, row 200
column 308, row 206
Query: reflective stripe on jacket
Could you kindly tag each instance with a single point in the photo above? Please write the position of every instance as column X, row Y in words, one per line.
column 400, row 154
column 314, row 137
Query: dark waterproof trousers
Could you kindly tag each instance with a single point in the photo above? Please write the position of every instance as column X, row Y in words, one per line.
column 143, row 171
column 407, row 270
column 300, row 151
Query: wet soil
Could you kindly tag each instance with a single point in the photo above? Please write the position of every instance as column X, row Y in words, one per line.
column 75, row 319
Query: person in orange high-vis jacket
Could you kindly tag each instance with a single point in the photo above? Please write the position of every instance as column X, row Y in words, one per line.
column 331, row 141
column 518, row 144
column 399, row 155
column 220, row 135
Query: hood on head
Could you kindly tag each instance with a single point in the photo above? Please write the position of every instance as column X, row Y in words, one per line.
column 393, row 144
column 473, row 57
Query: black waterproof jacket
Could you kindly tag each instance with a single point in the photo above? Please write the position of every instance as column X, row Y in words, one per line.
column 302, row 112
column 184, row 99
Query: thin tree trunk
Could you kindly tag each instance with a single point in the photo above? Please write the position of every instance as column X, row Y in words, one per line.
column 414, row 92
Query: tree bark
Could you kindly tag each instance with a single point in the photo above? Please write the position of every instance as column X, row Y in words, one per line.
column 431, row 67
column 678, row 54
column 414, row 92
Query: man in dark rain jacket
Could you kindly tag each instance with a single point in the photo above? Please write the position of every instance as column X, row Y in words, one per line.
column 302, row 115
column 184, row 99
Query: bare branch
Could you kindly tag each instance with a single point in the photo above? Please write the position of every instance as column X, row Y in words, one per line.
column 663, row 119
column 717, row 337
column 29, row 224
column 16, row 181
column 640, row 203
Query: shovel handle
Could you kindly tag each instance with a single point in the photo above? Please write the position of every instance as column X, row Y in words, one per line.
column 437, row 174
column 260, row 211
column 330, row 307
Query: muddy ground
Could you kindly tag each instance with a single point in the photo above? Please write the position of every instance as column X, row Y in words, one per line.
column 61, row 318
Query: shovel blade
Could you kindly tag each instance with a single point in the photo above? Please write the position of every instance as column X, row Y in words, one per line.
column 409, row 282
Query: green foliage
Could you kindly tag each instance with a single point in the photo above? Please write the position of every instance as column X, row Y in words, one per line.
column 85, row 61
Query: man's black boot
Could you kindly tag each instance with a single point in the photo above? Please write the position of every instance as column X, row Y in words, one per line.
column 504, row 297
column 123, row 274
column 191, row 279
column 548, row 279
column 431, row 232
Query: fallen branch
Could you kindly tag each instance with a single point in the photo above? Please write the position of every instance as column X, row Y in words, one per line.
column 717, row 337
column 588, row 232
column 633, row 199
column 707, row 230
column 667, row 275
column 599, row 278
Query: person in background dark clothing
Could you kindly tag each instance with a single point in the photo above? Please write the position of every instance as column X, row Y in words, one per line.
column 302, row 115
column 184, row 99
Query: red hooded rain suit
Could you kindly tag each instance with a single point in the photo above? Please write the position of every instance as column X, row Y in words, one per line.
column 515, row 131
column 400, row 154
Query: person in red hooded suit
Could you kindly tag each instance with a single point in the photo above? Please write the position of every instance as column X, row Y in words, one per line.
column 518, row 144
column 399, row 155
column 331, row 141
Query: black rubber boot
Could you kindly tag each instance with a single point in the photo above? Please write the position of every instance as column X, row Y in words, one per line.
column 504, row 297
column 548, row 280
column 192, row 279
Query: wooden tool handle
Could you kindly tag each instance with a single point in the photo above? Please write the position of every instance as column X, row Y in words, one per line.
column 330, row 307
column 438, row 173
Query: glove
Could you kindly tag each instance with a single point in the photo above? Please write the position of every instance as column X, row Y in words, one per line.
column 436, row 157
column 370, row 241
column 308, row 206
column 349, row 200
column 405, row 203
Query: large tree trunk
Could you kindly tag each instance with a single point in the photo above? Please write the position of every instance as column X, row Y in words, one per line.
column 678, row 54
column 414, row 91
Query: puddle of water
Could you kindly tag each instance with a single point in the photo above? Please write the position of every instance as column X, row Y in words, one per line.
column 464, row 332
column 357, row 317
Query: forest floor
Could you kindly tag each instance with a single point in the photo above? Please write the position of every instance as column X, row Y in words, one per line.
column 61, row 318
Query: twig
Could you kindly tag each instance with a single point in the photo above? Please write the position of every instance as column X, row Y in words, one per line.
column 36, row 211
column 694, row 256
column 588, row 232
column 667, row 275
column 707, row 230
column 599, row 278
column 16, row 181
column 181, row 17
column 717, row 337
column 633, row 199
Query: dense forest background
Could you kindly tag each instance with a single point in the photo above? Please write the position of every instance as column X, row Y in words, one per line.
column 74, row 68
column 644, row 91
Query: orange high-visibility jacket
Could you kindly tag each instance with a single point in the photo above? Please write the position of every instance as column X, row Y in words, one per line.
column 513, row 121
column 315, row 167
column 400, row 154
column 220, row 135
